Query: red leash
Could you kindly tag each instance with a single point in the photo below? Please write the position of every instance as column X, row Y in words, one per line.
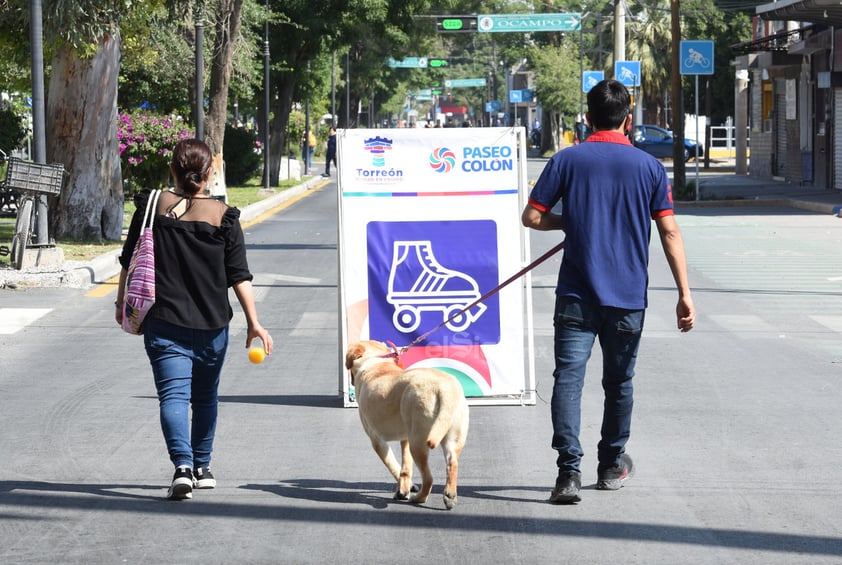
column 396, row 353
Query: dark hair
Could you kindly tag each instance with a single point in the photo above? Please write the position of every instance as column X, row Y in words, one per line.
column 191, row 164
column 608, row 104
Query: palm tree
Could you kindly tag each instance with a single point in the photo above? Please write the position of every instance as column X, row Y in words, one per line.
column 649, row 41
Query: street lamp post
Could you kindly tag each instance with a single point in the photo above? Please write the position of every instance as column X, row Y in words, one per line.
column 266, row 100
column 582, row 67
column 200, row 78
column 36, row 39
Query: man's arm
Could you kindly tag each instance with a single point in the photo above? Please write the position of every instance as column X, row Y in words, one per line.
column 673, row 246
column 538, row 220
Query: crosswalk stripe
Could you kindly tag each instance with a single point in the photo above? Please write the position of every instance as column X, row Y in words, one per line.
column 14, row 319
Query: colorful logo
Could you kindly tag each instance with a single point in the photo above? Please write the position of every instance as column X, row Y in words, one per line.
column 442, row 160
column 378, row 146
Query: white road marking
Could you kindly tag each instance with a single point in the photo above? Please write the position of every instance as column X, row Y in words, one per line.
column 14, row 319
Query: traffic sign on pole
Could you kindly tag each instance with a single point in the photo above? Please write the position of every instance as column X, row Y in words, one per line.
column 590, row 78
column 696, row 57
column 530, row 22
column 627, row 72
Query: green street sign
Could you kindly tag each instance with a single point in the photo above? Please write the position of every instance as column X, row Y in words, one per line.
column 456, row 24
column 511, row 23
column 437, row 63
column 408, row 63
column 464, row 82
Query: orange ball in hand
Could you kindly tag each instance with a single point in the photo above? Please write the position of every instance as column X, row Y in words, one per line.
column 257, row 355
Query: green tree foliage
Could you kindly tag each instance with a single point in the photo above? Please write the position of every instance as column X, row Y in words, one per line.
column 557, row 76
column 12, row 130
column 241, row 160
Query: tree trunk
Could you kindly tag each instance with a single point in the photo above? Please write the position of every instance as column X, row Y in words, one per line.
column 81, row 119
column 278, row 145
column 227, row 30
column 550, row 132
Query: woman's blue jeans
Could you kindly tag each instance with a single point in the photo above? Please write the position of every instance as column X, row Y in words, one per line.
column 577, row 325
column 186, row 364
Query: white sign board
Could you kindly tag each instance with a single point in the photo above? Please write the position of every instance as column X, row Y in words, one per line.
column 429, row 221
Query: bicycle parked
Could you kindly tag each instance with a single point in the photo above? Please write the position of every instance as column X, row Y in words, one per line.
column 25, row 181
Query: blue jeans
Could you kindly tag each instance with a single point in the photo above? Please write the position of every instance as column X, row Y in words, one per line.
column 577, row 325
column 186, row 364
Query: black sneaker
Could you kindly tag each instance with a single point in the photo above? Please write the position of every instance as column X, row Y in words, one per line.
column 203, row 478
column 614, row 477
column 182, row 484
column 567, row 487
column 325, row 175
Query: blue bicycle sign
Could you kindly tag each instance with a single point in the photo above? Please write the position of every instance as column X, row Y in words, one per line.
column 590, row 78
column 696, row 57
column 628, row 73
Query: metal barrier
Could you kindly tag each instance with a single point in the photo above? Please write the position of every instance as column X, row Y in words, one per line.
column 723, row 141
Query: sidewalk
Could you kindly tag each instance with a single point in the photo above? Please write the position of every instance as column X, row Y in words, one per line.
column 83, row 274
column 719, row 186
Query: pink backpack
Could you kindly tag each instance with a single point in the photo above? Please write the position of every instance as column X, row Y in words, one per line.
column 140, row 281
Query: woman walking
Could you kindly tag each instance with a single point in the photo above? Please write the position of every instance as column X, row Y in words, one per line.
column 199, row 254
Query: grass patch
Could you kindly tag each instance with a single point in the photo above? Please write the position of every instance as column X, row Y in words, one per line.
column 238, row 196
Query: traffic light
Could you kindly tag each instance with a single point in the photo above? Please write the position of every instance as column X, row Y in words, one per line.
column 437, row 63
column 456, row 24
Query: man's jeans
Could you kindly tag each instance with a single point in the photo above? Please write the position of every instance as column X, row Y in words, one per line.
column 186, row 364
column 577, row 325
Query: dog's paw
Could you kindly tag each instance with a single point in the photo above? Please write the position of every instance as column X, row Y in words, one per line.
column 401, row 496
column 449, row 500
column 418, row 499
column 415, row 488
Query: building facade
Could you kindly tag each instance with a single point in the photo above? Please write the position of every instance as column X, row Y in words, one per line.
column 789, row 91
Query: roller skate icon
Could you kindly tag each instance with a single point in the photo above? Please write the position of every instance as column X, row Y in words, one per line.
column 418, row 283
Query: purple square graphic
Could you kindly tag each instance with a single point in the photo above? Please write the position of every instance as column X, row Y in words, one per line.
column 422, row 273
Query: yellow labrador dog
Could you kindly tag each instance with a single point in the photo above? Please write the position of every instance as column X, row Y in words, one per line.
column 422, row 408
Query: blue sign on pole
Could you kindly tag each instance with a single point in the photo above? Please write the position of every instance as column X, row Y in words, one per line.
column 590, row 78
column 696, row 57
column 515, row 96
column 627, row 72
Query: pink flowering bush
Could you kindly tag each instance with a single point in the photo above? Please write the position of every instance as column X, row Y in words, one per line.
column 146, row 143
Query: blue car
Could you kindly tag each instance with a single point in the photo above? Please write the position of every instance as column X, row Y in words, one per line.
column 657, row 142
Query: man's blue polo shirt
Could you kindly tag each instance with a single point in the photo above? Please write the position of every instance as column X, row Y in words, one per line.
column 610, row 192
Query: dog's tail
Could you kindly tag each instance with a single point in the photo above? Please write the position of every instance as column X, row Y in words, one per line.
column 445, row 404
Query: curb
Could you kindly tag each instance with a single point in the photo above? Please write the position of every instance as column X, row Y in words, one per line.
column 84, row 274
column 820, row 207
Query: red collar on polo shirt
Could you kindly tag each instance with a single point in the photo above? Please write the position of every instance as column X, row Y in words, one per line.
column 609, row 137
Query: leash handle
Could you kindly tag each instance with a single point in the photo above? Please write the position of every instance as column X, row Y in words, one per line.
column 485, row 296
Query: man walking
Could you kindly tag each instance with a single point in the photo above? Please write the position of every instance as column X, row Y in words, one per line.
column 330, row 154
column 611, row 192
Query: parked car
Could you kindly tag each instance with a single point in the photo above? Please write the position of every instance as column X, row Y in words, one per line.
column 657, row 142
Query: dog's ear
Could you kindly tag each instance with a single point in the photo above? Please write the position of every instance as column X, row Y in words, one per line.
column 354, row 352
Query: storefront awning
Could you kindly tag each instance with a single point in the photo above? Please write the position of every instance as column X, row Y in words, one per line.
column 827, row 12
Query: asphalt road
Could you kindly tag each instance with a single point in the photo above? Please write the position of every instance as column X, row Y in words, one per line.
column 735, row 435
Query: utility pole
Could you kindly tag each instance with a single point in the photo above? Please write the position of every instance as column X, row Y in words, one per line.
column 678, row 168
column 619, row 31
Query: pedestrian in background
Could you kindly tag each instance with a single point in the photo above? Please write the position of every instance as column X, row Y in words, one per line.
column 199, row 253
column 330, row 154
column 611, row 192
column 308, row 149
